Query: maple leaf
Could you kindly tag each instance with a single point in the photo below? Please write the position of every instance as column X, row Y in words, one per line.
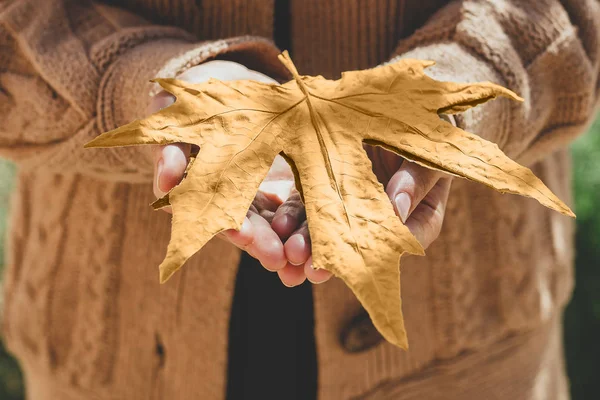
column 319, row 127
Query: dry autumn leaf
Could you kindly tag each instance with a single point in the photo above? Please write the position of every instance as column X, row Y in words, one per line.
column 319, row 126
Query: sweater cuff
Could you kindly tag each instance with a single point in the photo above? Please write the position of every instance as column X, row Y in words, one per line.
column 125, row 89
column 455, row 63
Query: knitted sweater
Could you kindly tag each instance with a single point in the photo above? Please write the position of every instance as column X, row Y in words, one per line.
column 84, row 312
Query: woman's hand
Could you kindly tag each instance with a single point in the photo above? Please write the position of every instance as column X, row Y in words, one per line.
column 275, row 230
column 256, row 235
column 418, row 195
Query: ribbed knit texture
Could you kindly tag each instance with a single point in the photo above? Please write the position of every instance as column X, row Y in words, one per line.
column 84, row 312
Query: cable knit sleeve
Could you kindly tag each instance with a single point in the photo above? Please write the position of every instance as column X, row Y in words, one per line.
column 547, row 51
column 71, row 69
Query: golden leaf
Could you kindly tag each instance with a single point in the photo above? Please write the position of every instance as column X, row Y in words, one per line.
column 319, row 126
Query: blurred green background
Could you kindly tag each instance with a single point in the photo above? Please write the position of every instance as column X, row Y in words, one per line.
column 582, row 320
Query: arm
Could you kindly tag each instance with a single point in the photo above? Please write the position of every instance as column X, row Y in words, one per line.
column 547, row 51
column 70, row 70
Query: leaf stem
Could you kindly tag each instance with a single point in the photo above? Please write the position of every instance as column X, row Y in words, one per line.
column 286, row 60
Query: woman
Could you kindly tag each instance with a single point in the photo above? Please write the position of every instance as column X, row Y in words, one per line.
column 84, row 312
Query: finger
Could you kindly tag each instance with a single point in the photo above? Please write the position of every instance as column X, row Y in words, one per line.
column 263, row 201
column 292, row 275
column 426, row 220
column 384, row 163
column 267, row 215
column 159, row 101
column 265, row 246
column 171, row 162
column 316, row 276
column 241, row 238
column 289, row 216
column 409, row 185
column 265, row 206
column 297, row 247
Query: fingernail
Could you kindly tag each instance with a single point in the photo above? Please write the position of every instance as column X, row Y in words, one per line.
column 312, row 266
column 159, row 169
column 402, row 202
column 246, row 225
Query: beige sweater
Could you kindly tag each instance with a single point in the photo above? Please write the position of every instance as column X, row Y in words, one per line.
column 83, row 307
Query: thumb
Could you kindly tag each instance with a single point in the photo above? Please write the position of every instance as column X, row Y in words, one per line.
column 161, row 100
column 170, row 164
column 409, row 185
